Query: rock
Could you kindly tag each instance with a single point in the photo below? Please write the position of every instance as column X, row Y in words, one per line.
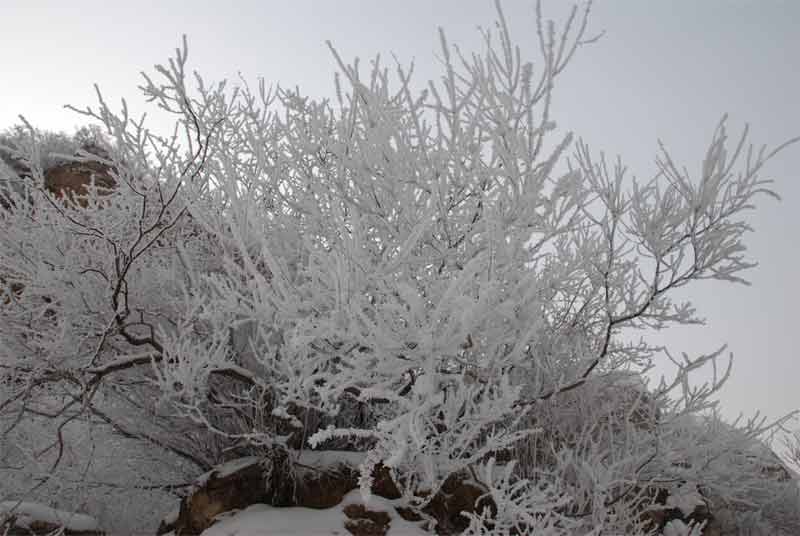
column 275, row 482
column 323, row 489
column 254, row 480
column 61, row 178
column 227, row 487
column 364, row 522
column 72, row 179
column 458, row 494
column 667, row 508
column 382, row 483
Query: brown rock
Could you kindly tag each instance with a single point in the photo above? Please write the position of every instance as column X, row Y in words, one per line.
column 245, row 482
column 409, row 514
column 72, row 179
column 658, row 514
column 364, row 522
column 382, row 483
column 457, row 495
column 42, row 527
column 228, row 487
column 324, row 489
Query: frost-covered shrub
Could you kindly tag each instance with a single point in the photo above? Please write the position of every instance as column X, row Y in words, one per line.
column 423, row 275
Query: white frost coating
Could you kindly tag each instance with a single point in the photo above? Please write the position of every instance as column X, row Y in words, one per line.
column 430, row 276
column 685, row 498
column 29, row 512
column 283, row 414
column 676, row 527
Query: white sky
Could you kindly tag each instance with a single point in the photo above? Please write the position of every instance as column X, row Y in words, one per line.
column 666, row 70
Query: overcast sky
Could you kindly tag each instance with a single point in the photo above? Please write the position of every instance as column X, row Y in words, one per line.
column 664, row 70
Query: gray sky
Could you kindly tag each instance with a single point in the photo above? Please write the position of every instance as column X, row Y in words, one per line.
column 666, row 69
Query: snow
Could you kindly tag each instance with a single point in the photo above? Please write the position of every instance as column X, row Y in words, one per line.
column 264, row 520
column 172, row 516
column 676, row 527
column 330, row 459
column 685, row 498
column 231, row 467
column 29, row 512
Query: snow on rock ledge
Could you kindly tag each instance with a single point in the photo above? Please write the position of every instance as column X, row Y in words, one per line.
column 314, row 484
column 351, row 516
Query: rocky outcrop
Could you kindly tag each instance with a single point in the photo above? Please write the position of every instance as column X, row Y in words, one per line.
column 362, row 521
column 228, row 487
column 458, row 494
column 665, row 509
column 70, row 179
column 73, row 180
column 277, row 482
column 694, row 504
column 253, row 480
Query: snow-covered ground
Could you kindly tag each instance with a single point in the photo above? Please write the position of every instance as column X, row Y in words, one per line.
column 263, row 520
column 26, row 513
column 101, row 474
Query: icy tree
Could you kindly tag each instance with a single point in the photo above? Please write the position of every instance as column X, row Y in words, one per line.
column 434, row 276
